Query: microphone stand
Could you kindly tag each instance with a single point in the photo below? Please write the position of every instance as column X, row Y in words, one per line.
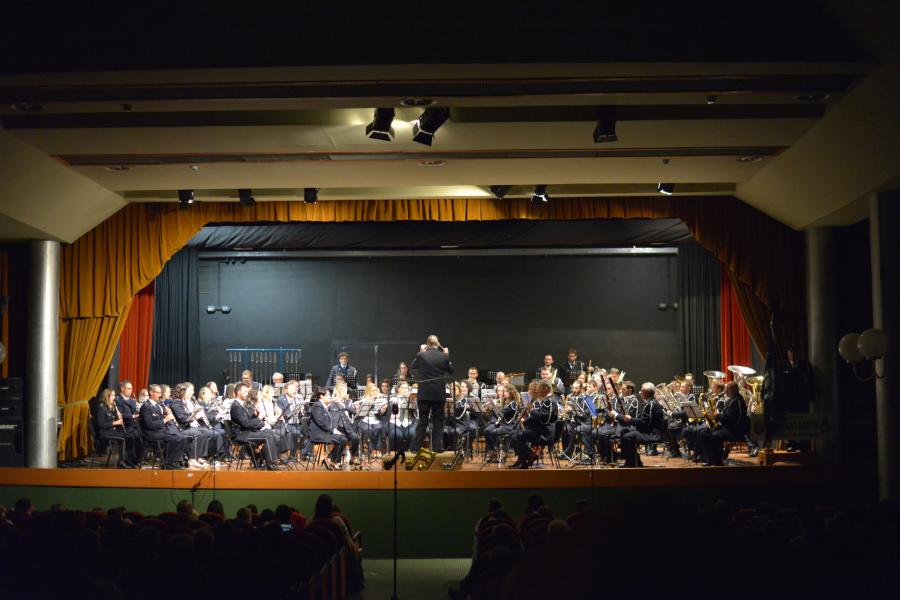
column 395, row 411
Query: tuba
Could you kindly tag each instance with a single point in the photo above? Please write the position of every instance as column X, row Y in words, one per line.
column 755, row 407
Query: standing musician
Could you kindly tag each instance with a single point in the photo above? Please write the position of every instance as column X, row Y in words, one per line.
column 465, row 426
column 111, row 427
column 569, row 370
column 402, row 373
column 195, row 425
column 432, row 365
column 472, row 380
column 503, row 420
column 343, row 367
column 323, row 429
column 401, row 425
column 733, row 425
column 130, row 412
column 579, row 422
column 247, row 379
column 538, row 422
column 158, row 424
column 247, row 427
column 646, row 425
column 343, row 409
column 694, row 431
column 371, row 426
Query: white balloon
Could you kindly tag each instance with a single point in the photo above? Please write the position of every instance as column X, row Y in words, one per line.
column 849, row 349
column 873, row 343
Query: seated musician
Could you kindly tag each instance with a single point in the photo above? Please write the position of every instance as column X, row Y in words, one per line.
column 323, row 429
column 247, row 379
column 647, row 425
column 111, row 427
column 203, row 442
column 158, row 424
column 678, row 419
column 465, row 425
column 342, row 410
column 247, row 427
column 733, row 425
column 270, row 414
column 371, row 426
column 503, row 421
column 538, row 424
column 500, row 378
column 472, row 380
column 556, row 384
column 625, row 407
column 402, row 424
column 216, row 413
column 579, row 423
column 608, row 428
column 290, row 403
column 693, row 431
column 402, row 373
column 129, row 409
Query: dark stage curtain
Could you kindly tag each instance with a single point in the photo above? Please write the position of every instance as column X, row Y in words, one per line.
column 477, row 234
column 699, row 284
column 176, row 335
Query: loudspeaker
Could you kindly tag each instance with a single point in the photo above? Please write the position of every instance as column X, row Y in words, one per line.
column 12, row 444
column 11, row 399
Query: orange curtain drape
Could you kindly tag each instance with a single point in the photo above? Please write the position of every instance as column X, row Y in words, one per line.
column 104, row 269
column 136, row 342
column 735, row 335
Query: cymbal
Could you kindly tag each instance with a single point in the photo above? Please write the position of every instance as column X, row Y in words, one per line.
column 742, row 371
column 714, row 374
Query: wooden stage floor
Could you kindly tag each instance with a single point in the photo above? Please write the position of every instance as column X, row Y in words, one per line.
column 657, row 472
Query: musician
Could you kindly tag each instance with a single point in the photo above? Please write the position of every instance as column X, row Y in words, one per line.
column 549, row 375
column 625, row 408
column 503, row 421
column 158, row 424
column 432, row 365
column 500, row 379
column 678, row 419
column 472, row 381
column 537, row 425
column 142, row 397
column 290, row 403
column 646, row 426
column 570, row 369
column 608, row 428
column 277, row 379
column 270, row 415
column 371, row 426
column 166, row 395
column 693, row 432
column 111, row 427
column 247, row 427
column 201, row 440
column 216, row 413
column 323, row 429
column 464, row 425
column 130, row 411
column 343, row 410
column 615, row 374
column 401, row 374
column 343, row 367
column 733, row 425
column 402, row 423
column 579, row 422
column 247, row 379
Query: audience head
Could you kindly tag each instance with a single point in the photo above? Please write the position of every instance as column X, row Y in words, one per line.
column 215, row 506
column 324, row 507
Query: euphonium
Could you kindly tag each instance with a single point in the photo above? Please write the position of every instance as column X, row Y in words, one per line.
column 421, row 461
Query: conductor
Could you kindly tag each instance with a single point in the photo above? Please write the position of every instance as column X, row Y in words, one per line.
column 432, row 365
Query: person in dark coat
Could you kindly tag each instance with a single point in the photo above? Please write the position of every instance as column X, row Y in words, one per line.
column 432, row 365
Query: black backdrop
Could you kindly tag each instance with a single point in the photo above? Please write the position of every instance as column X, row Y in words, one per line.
column 494, row 312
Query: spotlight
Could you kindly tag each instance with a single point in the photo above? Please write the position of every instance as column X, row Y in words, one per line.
column 246, row 197
column 211, row 309
column 185, row 198
column 500, row 190
column 665, row 188
column 605, row 131
column 311, row 195
column 429, row 123
column 380, row 127
column 225, row 308
column 539, row 197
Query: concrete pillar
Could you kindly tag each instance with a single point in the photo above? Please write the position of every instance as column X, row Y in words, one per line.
column 884, row 215
column 42, row 355
column 821, row 294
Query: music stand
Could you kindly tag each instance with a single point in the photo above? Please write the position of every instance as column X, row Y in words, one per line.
column 692, row 410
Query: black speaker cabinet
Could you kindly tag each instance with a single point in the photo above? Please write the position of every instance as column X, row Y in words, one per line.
column 11, row 399
column 12, row 450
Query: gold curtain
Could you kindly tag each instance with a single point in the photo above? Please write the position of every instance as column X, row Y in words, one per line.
column 105, row 268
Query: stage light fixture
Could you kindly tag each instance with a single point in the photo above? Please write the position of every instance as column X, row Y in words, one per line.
column 246, row 197
column 211, row 310
column 430, row 121
column 665, row 188
column 605, row 131
column 311, row 195
column 185, row 198
column 539, row 196
column 225, row 308
column 380, row 127
column 500, row 190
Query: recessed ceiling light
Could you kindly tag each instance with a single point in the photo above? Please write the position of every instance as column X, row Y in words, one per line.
column 117, row 168
column 750, row 158
column 417, row 102
column 813, row 97
column 433, row 163
column 712, row 99
column 195, row 167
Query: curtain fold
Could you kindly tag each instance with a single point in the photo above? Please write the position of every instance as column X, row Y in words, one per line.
column 735, row 336
column 176, row 330
column 104, row 269
column 136, row 343
column 699, row 284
